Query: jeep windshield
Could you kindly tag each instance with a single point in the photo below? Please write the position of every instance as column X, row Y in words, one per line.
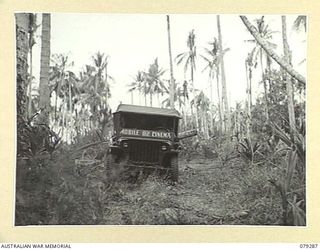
column 146, row 122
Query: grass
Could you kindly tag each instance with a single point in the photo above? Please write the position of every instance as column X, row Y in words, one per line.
column 209, row 192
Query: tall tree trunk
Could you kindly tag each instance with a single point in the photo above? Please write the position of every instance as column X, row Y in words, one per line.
column 194, row 95
column 31, row 31
column 145, row 94
column 55, row 106
column 211, row 100
column 283, row 64
column 131, row 96
column 211, row 123
column 70, row 127
column 30, row 85
column 44, row 101
column 185, row 111
column 58, row 89
column 249, row 103
column 223, row 80
column 172, row 89
column 264, row 87
column 107, row 86
column 205, row 125
column 22, row 24
column 96, row 79
column 63, row 118
column 250, row 86
column 22, row 48
column 219, row 100
column 289, row 86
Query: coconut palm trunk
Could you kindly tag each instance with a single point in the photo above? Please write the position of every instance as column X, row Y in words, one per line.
column 225, row 109
column 211, row 105
column 283, row 64
column 172, row 90
column 145, row 92
column 289, row 86
column 63, row 111
column 264, row 87
column 30, row 86
column 70, row 125
column 249, row 102
column 250, row 88
column 44, row 101
column 58, row 89
column 22, row 48
column 107, row 86
column 194, row 95
column 219, row 100
column 32, row 29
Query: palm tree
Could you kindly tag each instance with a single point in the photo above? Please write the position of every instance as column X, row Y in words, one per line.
column 258, row 52
column 155, row 85
column 101, row 87
column 178, row 97
column 249, row 64
column 185, row 94
column 32, row 29
column 22, row 48
column 212, row 64
column 100, row 62
column 283, row 64
column 224, row 101
column 212, row 58
column 172, row 89
column 64, row 84
column 107, row 92
column 300, row 21
column 238, row 122
column 137, row 84
column 57, row 77
column 289, row 86
column 94, row 88
column 189, row 59
column 202, row 103
column 44, row 101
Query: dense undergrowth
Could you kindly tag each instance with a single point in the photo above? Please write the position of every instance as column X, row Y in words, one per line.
column 220, row 183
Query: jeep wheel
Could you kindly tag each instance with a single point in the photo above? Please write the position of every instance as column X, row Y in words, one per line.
column 174, row 168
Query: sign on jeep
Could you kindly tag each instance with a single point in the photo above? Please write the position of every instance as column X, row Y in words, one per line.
column 147, row 133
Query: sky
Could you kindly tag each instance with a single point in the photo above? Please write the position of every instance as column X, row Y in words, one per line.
column 133, row 41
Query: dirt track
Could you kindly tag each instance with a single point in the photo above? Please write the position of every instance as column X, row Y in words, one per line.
column 206, row 193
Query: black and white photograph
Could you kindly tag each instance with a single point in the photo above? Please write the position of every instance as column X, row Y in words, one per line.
column 160, row 119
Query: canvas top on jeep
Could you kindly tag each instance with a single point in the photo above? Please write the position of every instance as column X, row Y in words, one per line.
column 147, row 110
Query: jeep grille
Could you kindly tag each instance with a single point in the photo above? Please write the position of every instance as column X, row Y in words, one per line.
column 144, row 152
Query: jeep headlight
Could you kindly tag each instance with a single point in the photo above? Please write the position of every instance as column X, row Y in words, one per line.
column 164, row 147
column 125, row 145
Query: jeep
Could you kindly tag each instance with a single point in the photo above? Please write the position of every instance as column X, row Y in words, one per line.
column 145, row 137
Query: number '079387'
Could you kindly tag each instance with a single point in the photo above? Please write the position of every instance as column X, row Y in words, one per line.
column 308, row 246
